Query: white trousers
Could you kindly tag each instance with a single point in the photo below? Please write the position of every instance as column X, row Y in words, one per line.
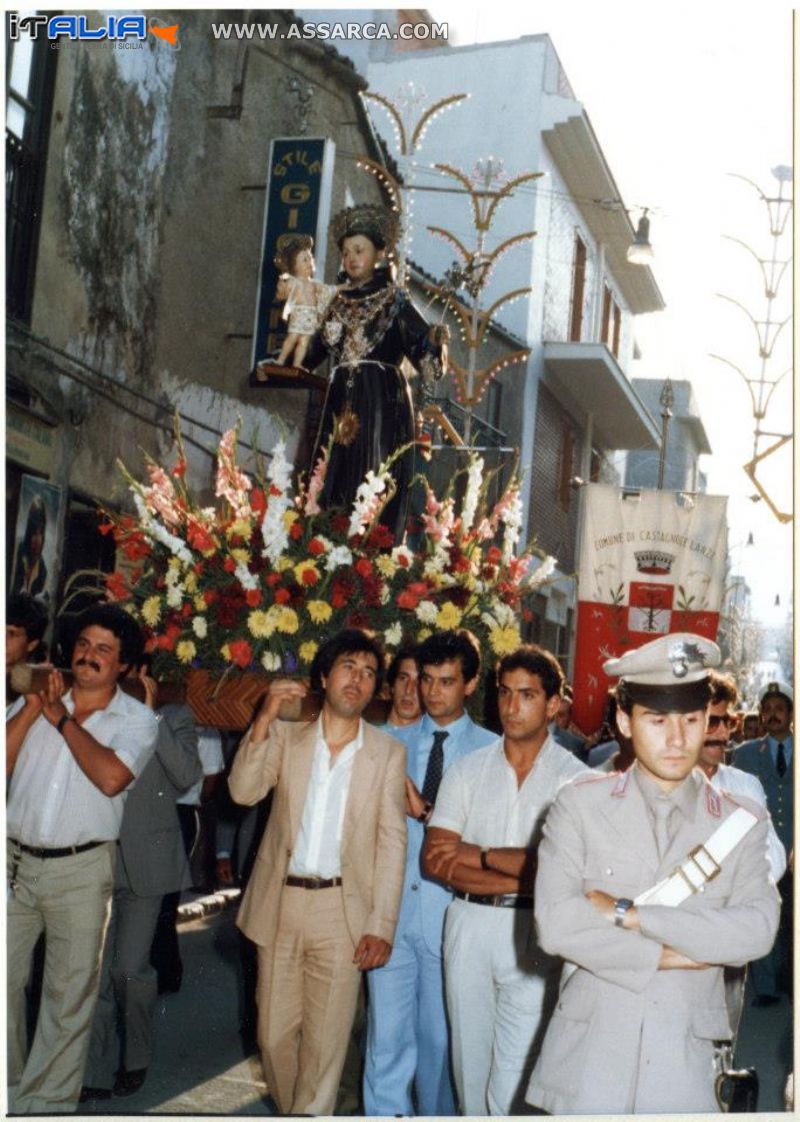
column 498, row 984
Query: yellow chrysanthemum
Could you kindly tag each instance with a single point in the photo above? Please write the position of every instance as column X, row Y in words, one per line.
column 190, row 583
column 289, row 517
column 225, row 651
column 504, row 640
column 287, row 621
column 306, row 567
column 307, row 651
column 261, row 624
column 200, row 604
column 385, row 566
column 283, row 563
column 241, row 528
column 423, row 634
column 448, row 617
column 151, row 610
column 185, row 650
column 174, row 563
column 319, row 611
column 241, row 555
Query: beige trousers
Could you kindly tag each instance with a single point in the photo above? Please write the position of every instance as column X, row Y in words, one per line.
column 306, row 1008
column 67, row 898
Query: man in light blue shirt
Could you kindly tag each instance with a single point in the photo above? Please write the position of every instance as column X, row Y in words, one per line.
column 408, row 1068
column 771, row 759
column 402, row 678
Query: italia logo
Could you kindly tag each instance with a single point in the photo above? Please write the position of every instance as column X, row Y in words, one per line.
column 76, row 27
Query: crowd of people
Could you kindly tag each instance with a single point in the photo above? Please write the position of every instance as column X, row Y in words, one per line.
column 492, row 921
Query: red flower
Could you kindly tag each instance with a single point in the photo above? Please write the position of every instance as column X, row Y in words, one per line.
column 241, row 653
column 407, row 600
column 493, row 555
column 275, row 491
column 258, row 500
column 310, row 576
column 418, row 588
column 167, row 641
column 273, row 579
column 180, row 468
column 381, row 537
column 186, row 610
column 253, row 597
column 116, row 586
column 340, row 523
column 106, row 527
column 296, row 531
column 198, row 537
column 363, row 567
column 315, row 547
column 198, row 569
column 358, row 619
column 282, row 596
column 403, row 561
column 210, row 595
column 229, row 565
column 135, row 547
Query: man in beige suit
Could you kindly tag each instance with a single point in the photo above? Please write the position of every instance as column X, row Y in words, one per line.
column 644, row 1001
column 323, row 899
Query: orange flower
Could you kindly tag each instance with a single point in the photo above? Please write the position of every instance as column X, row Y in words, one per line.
column 241, row 653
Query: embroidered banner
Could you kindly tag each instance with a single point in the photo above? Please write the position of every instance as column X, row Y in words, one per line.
column 651, row 563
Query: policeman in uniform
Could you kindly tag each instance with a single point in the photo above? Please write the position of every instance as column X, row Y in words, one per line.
column 771, row 759
column 639, row 888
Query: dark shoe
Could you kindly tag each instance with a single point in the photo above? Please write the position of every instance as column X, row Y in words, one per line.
column 89, row 1094
column 765, row 999
column 129, row 1082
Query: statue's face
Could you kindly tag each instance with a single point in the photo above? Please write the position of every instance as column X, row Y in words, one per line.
column 304, row 264
column 359, row 257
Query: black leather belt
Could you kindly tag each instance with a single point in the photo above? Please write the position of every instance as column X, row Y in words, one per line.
column 510, row 900
column 64, row 851
column 312, row 882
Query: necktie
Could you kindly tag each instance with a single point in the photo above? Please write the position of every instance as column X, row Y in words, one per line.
column 433, row 772
column 780, row 762
column 662, row 811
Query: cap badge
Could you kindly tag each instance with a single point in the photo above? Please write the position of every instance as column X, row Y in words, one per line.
column 682, row 655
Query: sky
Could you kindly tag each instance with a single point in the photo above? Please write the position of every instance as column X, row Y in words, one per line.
column 680, row 96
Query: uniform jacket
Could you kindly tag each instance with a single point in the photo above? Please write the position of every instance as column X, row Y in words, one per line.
column 373, row 846
column 626, row 1037
column 152, row 855
column 425, row 901
column 755, row 756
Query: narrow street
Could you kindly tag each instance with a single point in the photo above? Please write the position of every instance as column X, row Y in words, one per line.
column 199, row 1066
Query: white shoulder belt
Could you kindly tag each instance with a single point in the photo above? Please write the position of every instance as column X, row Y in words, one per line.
column 702, row 865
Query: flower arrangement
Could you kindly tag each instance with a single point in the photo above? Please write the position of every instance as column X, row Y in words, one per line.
column 257, row 581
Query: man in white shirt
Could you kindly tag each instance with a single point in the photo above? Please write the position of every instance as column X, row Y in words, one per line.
column 482, row 842
column 323, row 898
column 69, row 758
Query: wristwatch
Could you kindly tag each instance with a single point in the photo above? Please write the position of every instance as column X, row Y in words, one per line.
column 621, row 906
column 62, row 721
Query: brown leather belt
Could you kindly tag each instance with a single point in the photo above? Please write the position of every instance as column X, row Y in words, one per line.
column 64, row 851
column 509, row 900
column 312, row 882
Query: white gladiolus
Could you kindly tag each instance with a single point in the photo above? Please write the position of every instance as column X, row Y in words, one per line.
column 339, row 555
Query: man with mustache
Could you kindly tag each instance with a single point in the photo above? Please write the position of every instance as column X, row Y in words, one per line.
column 323, row 898
column 771, row 760
column 69, row 758
column 649, row 882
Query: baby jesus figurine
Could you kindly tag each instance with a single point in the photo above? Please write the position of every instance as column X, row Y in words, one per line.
column 307, row 300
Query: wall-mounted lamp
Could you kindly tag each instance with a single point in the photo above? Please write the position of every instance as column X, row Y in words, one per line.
column 640, row 252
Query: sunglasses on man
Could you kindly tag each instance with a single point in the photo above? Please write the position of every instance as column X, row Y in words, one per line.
column 715, row 720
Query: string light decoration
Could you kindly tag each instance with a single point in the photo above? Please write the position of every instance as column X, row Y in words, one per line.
column 408, row 138
column 767, row 330
column 486, row 188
